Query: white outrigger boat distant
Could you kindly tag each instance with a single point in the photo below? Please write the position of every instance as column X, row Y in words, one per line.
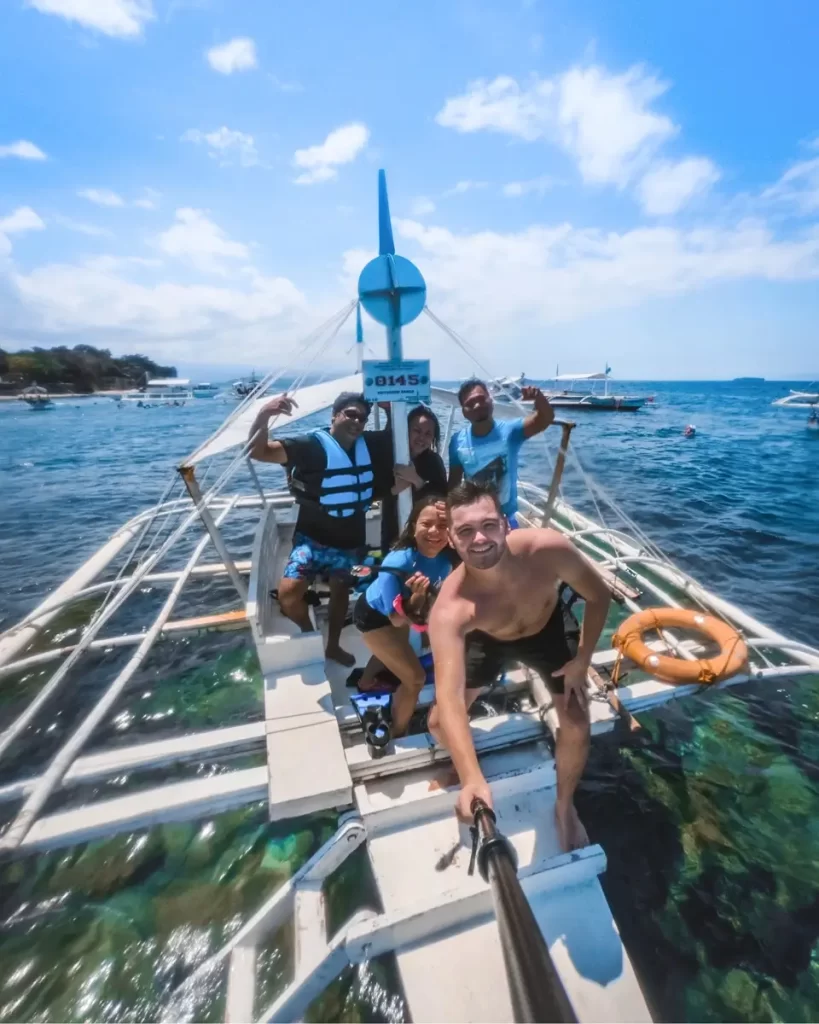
column 799, row 399
column 159, row 391
column 460, row 942
column 583, row 393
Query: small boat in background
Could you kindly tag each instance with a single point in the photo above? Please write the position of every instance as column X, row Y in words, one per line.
column 159, row 391
column 507, row 389
column 799, row 399
column 205, row 390
column 589, row 397
column 37, row 398
column 242, row 388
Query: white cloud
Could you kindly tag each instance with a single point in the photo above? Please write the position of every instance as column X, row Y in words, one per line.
column 92, row 230
column 515, row 189
column 606, row 125
column 195, row 239
column 799, row 186
column 23, row 150
column 489, row 281
column 341, row 146
column 284, row 86
column 465, row 186
column 101, row 196
column 150, row 201
column 237, row 55
column 421, row 206
column 122, row 18
column 502, row 106
column 602, row 120
column 669, row 185
column 22, row 219
column 226, row 145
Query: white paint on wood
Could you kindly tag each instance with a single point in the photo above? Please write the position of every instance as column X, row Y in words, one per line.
column 141, row 756
column 240, row 1001
column 179, row 801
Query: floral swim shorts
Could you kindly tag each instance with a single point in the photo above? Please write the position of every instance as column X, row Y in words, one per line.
column 309, row 558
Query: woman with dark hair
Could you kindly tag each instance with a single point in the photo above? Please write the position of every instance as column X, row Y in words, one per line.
column 426, row 474
column 400, row 599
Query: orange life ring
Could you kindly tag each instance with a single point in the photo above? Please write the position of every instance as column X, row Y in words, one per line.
column 732, row 658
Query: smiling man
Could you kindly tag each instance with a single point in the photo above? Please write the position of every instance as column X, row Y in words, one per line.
column 486, row 450
column 334, row 475
column 500, row 608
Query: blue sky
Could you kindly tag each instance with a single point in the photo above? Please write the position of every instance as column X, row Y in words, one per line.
column 579, row 182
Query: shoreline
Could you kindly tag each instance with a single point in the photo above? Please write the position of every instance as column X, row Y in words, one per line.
column 89, row 394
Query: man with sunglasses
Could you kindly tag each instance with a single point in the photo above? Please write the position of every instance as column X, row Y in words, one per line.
column 486, row 450
column 334, row 475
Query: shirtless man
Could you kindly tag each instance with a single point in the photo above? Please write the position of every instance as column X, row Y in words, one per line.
column 500, row 607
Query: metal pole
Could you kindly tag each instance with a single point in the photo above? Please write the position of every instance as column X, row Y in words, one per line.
column 256, row 481
column 560, row 462
column 398, row 418
column 535, row 987
column 188, row 474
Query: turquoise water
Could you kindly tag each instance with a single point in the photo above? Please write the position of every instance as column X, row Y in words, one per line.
column 708, row 816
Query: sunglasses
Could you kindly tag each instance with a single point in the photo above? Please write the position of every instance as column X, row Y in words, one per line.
column 352, row 414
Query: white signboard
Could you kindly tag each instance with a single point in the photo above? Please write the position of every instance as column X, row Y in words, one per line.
column 405, row 381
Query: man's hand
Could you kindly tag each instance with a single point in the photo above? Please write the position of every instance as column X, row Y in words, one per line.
column 281, row 405
column 542, row 417
column 481, row 790
column 574, row 674
column 543, row 406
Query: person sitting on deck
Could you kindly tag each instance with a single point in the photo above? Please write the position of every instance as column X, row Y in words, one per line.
column 426, row 474
column 500, row 607
column 487, row 451
column 334, row 475
column 389, row 606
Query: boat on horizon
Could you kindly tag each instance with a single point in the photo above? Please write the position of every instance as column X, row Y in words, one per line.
column 450, row 930
column 205, row 390
column 799, row 399
column 589, row 396
column 159, row 391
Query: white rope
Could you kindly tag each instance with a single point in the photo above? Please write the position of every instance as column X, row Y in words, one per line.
column 466, row 348
column 274, row 376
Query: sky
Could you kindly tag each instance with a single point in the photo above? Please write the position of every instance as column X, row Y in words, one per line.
column 581, row 182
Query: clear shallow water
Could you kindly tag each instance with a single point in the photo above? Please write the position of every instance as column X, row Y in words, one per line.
column 707, row 816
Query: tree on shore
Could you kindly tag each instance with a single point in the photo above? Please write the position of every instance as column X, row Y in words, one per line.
column 81, row 369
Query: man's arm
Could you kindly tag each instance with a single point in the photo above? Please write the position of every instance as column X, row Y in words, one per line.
column 448, row 626
column 542, row 417
column 584, row 579
column 262, row 448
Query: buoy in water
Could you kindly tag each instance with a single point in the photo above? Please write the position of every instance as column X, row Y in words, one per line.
column 690, row 431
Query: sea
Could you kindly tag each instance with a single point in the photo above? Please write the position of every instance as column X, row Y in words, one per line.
column 709, row 814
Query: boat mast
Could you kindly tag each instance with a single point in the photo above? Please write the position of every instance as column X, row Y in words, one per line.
column 393, row 292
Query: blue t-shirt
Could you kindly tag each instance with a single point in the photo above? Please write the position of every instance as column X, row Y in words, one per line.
column 492, row 459
column 385, row 588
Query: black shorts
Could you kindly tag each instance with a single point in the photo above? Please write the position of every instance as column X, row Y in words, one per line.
column 551, row 648
column 366, row 618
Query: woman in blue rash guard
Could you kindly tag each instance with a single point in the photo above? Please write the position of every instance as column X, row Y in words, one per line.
column 392, row 604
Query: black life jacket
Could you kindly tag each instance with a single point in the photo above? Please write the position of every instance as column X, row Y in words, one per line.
column 344, row 486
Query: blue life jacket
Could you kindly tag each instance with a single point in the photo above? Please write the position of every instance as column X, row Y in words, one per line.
column 344, row 486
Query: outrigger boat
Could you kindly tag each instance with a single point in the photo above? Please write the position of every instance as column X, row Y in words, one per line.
column 531, row 942
column 37, row 398
column 588, row 398
column 799, row 399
